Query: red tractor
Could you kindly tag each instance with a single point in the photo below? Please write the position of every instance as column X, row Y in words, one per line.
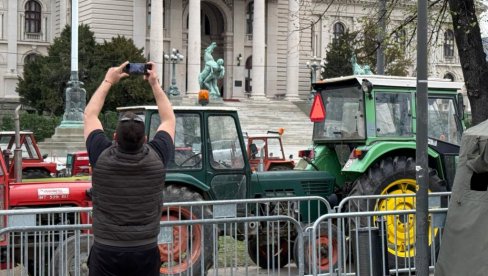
column 33, row 163
column 265, row 152
column 19, row 149
column 77, row 163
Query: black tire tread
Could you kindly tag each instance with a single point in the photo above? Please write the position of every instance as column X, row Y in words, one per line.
column 178, row 193
column 377, row 177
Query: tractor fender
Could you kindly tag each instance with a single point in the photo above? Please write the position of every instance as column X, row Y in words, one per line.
column 377, row 151
column 187, row 180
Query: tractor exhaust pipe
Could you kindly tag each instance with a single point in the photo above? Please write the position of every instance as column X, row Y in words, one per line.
column 17, row 150
column 261, row 160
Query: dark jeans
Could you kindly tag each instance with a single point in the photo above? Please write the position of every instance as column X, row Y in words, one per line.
column 107, row 260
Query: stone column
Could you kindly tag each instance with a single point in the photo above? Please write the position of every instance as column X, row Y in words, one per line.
column 140, row 27
column 10, row 77
column 194, row 47
column 229, row 65
column 156, row 35
column 239, row 27
column 258, row 50
column 175, row 33
column 293, row 59
column 12, row 36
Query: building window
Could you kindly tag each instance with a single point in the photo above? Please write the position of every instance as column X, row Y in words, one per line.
column 30, row 57
column 148, row 17
column 249, row 17
column 449, row 44
column 339, row 30
column 315, row 40
column 32, row 17
column 449, row 76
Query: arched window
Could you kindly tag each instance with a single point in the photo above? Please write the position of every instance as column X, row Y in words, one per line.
column 32, row 17
column 449, row 44
column 249, row 17
column 205, row 26
column 449, row 76
column 339, row 30
column 30, row 57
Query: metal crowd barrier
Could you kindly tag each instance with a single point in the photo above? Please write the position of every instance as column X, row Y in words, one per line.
column 228, row 237
column 372, row 235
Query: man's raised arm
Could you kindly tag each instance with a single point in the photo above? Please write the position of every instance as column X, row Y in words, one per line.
column 166, row 114
column 94, row 106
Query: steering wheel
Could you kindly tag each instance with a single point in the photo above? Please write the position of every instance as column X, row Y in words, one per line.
column 190, row 158
column 221, row 165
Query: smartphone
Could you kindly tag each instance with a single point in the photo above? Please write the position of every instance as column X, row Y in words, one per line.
column 137, row 68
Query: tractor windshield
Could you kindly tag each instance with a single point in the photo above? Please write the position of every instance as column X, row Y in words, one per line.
column 344, row 118
column 444, row 123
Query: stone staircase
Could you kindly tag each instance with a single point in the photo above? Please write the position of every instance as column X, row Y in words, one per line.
column 259, row 116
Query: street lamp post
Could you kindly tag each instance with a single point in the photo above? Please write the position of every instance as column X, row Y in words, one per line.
column 313, row 65
column 174, row 58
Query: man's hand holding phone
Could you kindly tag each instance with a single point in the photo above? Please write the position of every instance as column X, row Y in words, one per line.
column 115, row 74
column 137, row 68
column 152, row 74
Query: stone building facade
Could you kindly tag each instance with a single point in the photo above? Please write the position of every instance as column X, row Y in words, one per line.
column 265, row 43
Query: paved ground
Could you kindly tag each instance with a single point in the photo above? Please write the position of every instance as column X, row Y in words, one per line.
column 253, row 270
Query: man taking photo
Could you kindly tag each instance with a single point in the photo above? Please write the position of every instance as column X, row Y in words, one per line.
column 128, row 182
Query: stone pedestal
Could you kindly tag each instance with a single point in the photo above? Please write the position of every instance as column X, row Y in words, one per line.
column 63, row 141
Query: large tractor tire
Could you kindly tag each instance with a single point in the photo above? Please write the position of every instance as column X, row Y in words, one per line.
column 390, row 176
column 63, row 260
column 191, row 249
column 273, row 255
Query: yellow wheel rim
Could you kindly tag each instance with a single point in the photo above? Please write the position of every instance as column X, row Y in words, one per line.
column 401, row 228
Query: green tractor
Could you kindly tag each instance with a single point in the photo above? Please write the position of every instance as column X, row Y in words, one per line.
column 211, row 163
column 364, row 135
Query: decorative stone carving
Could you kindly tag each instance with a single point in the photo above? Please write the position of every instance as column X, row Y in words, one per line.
column 229, row 3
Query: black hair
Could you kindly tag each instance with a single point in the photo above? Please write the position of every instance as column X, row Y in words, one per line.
column 130, row 132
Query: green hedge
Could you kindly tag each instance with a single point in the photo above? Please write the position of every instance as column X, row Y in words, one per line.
column 44, row 126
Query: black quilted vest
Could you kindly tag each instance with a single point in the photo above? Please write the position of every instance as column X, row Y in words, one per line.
column 127, row 197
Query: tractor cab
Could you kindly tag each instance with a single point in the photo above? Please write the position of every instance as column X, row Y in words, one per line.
column 33, row 163
column 209, row 149
column 265, row 152
column 363, row 110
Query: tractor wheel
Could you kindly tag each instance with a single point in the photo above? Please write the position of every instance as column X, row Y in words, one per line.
column 326, row 260
column 63, row 259
column 280, row 168
column 390, row 176
column 189, row 249
column 35, row 173
column 259, row 253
